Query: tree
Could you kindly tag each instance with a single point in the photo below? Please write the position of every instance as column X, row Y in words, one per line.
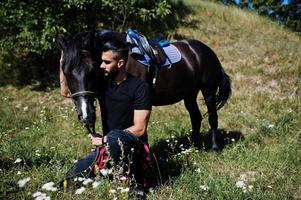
column 288, row 13
column 29, row 27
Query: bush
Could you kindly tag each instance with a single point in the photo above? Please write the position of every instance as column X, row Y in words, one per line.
column 29, row 27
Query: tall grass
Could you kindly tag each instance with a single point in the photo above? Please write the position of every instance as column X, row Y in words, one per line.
column 261, row 122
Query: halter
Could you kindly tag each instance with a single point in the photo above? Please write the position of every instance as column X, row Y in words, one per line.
column 81, row 93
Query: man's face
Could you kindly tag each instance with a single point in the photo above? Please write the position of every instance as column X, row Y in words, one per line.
column 109, row 62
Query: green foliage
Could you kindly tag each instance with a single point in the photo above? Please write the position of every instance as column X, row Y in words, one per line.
column 32, row 26
column 287, row 14
column 263, row 61
column 29, row 29
column 119, row 14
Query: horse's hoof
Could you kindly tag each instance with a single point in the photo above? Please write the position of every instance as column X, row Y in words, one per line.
column 215, row 149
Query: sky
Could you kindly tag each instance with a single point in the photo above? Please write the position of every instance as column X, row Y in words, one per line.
column 284, row 2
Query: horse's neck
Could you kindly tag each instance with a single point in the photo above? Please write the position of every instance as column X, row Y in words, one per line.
column 136, row 69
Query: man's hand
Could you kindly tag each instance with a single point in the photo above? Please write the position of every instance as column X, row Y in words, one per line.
column 96, row 139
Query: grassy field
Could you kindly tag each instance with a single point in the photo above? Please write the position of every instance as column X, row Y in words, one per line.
column 261, row 124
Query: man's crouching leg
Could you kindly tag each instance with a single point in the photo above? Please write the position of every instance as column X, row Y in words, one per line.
column 124, row 150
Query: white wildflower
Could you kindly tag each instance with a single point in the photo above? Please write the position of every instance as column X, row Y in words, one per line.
column 186, row 151
column 25, row 108
column 49, row 187
column 123, row 178
column 271, row 126
column 198, row 170
column 23, row 182
column 36, row 194
column 87, row 181
column 124, row 190
column 104, row 172
column 18, row 160
column 40, row 196
column 80, row 190
column 204, row 187
column 232, row 140
column 112, row 191
column 167, row 141
column 250, row 188
column 26, row 128
column 95, row 184
column 240, row 184
column 81, row 179
column 18, row 173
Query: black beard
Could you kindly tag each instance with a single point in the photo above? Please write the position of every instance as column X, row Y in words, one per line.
column 111, row 76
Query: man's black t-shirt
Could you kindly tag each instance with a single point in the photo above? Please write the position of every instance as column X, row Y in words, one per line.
column 121, row 101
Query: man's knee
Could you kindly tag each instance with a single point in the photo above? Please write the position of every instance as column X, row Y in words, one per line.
column 121, row 142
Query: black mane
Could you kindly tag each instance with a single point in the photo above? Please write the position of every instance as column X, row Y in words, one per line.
column 75, row 46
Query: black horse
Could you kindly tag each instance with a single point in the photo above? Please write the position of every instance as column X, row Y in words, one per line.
column 198, row 69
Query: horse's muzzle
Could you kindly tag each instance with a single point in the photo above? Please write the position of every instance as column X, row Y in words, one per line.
column 86, row 113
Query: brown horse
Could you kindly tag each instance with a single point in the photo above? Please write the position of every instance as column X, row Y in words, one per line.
column 198, row 70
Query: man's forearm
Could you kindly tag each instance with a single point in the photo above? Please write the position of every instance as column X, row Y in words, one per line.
column 137, row 131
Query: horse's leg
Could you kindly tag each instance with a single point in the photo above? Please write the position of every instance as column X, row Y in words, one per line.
column 195, row 117
column 210, row 100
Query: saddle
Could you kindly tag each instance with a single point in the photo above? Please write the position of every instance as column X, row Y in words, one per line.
column 152, row 53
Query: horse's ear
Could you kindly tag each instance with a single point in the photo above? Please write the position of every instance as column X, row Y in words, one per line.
column 92, row 35
column 61, row 42
column 93, row 30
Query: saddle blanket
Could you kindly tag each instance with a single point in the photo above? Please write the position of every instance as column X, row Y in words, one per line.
column 171, row 52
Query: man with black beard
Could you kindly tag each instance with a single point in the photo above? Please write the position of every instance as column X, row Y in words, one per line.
column 127, row 107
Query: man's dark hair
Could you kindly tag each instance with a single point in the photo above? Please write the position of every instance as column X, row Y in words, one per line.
column 121, row 49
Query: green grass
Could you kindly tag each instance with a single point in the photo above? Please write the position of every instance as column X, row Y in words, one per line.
column 263, row 61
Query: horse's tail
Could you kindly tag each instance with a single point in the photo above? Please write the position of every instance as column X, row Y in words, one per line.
column 224, row 90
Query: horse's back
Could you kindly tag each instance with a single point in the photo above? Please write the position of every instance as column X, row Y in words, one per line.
column 208, row 67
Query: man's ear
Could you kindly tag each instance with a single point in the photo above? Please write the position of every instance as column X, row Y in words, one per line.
column 121, row 63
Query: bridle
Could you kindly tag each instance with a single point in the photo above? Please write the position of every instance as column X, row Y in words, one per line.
column 82, row 93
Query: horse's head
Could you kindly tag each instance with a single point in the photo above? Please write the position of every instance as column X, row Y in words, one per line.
column 80, row 66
